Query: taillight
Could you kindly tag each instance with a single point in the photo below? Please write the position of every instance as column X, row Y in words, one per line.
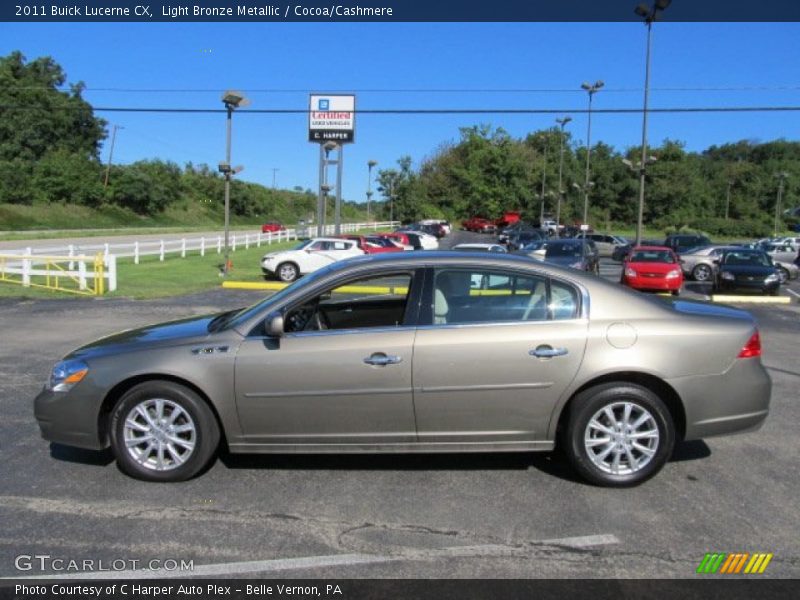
column 752, row 348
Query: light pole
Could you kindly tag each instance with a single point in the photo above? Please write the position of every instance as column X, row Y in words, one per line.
column 391, row 201
column 585, row 190
column 370, row 164
column 649, row 15
column 781, row 178
column 322, row 205
column 561, row 123
column 231, row 100
column 111, row 153
column 591, row 89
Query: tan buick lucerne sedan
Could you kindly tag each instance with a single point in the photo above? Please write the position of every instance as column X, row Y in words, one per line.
column 419, row 352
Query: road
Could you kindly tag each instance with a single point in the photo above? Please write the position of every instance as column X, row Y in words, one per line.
column 494, row 516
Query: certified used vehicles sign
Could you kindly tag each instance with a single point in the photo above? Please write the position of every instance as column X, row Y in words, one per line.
column 331, row 117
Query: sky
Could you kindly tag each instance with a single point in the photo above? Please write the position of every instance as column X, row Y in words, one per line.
column 277, row 65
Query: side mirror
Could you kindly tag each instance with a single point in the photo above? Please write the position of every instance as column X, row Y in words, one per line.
column 274, row 325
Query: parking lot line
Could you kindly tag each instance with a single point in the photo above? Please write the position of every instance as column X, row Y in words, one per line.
column 334, row 560
column 752, row 299
column 793, row 293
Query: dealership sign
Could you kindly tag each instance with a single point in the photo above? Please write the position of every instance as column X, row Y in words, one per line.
column 331, row 117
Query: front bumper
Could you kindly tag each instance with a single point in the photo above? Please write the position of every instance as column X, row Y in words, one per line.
column 654, row 283
column 735, row 401
column 755, row 286
column 70, row 418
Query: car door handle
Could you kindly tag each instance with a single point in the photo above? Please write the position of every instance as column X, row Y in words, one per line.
column 381, row 360
column 547, row 352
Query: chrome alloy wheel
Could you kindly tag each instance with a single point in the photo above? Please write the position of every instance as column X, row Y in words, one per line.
column 159, row 434
column 621, row 438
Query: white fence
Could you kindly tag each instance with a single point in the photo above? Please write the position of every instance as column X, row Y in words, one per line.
column 79, row 274
column 199, row 244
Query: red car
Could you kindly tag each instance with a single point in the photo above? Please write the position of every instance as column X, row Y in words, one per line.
column 272, row 227
column 395, row 236
column 372, row 246
column 478, row 224
column 509, row 218
column 653, row 268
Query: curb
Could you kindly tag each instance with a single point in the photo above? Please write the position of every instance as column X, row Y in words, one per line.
column 752, row 299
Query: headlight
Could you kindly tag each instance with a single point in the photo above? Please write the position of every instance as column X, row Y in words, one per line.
column 630, row 272
column 728, row 276
column 66, row 374
column 673, row 274
column 772, row 278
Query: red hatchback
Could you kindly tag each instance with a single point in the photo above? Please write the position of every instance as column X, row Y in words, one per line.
column 272, row 227
column 652, row 268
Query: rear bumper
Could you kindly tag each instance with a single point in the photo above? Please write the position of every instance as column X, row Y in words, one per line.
column 736, row 401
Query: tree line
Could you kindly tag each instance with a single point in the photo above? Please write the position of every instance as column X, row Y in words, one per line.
column 50, row 141
column 729, row 189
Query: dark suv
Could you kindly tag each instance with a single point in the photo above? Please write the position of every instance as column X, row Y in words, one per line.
column 680, row 242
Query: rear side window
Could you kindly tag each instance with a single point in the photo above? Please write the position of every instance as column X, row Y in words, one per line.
column 463, row 296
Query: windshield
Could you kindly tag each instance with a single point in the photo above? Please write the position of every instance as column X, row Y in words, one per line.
column 652, row 256
column 751, row 259
column 302, row 244
column 555, row 249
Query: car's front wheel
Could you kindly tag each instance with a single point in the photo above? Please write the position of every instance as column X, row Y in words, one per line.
column 163, row 431
column 287, row 272
column 618, row 434
column 783, row 275
column 701, row 273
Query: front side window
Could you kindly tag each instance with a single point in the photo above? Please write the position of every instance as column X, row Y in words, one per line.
column 358, row 304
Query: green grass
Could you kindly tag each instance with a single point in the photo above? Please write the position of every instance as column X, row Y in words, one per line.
column 175, row 276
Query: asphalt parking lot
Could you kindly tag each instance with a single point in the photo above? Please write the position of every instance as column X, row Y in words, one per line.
column 503, row 515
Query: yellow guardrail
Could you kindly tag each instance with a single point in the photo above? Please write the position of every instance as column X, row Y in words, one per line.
column 55, row 272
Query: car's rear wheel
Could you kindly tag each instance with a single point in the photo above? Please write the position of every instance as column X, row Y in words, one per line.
column 163, row 431
column 618, row 434
column 287, row 272
column 701, row 273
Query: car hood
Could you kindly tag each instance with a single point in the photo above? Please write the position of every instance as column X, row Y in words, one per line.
column 653, row 267
column 160, row 334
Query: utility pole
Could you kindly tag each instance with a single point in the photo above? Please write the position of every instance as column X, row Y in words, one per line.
column 781, row 178
column 274, row 171
column 544, row 179
column 728, row 198
column 111, row 153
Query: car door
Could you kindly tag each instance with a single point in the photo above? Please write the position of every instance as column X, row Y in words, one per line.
column 347, row 384
column 495, row 358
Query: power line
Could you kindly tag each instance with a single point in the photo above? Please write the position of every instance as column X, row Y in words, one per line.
column 742, row 88
column 432, row 111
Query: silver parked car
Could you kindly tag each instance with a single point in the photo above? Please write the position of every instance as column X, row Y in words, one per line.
column 698, row 263
column 419, row 352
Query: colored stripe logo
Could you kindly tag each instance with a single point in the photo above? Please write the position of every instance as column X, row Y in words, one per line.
column 734, row 563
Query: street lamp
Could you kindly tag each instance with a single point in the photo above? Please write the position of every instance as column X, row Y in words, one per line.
column 562, row 123
column 591, row 90
column 649, row 15
column 544, row 179
column 232, row 100
column 781, row 178
column 370, row 165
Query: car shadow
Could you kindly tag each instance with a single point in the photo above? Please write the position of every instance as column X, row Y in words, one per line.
column 99, row 458
column 692, row 450
column 701, row 288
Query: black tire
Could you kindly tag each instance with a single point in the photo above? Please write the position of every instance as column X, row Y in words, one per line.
column 783, row 275
column 287, row 272
column 205, row 435
column 588, row 403
column 701, row 272
column 676, row 292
